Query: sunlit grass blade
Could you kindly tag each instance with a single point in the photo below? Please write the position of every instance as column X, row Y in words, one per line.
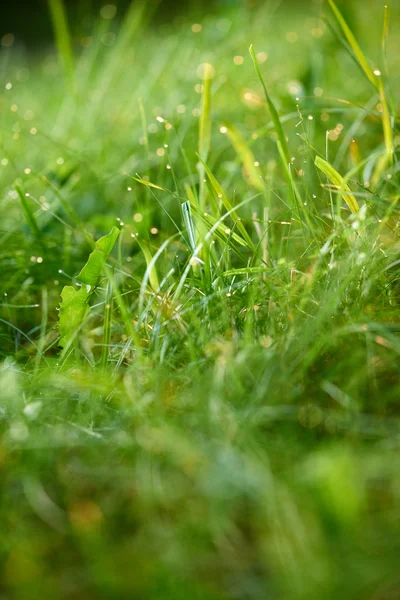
column 223, row 230
column 205, row 125
column 339, row 182
column 246, row 157
column 29, row 216
column 247, row 271
column 63, row 36
column 187, row 218
column 271, row 107
column 361, row 58
column 373, row 76
column 151, row 267
column 107, row 324
column 228, row 205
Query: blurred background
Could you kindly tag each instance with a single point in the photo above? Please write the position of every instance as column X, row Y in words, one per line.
column 29, row 20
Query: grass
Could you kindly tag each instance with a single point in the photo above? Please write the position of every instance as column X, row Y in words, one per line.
column 220, row 418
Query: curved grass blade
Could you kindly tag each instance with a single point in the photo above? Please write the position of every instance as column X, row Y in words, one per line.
column 339, row 182
column 271, row 107
column 246, row 157
column 227, row 204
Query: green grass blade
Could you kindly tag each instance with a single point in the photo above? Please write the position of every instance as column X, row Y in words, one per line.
column 205, row 126
column 187, row 217
column 29, row 216
column 339, row 182
column 271, row 107
column 107, row 324
column 62, row 35
column 228, row 205
column 246, row 157
column 361, row 58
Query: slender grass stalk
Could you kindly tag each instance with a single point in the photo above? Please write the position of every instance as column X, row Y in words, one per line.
column 63, row 37
column 205, row 127
column 108, row 308
column 272, row 110
column 29, row 216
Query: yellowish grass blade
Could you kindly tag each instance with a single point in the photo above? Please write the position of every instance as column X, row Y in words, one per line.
column 364, row 64
column 339, row 182
column 62, row 35
column 373, row 76
column 271, row 107
column 205, row 125
column 246, row 157
column 228, row 205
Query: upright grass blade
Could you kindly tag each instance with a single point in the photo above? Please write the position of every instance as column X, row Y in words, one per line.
column 228, row 205
column 29, row 216
column 361, row 58
column 63, row 37
column 187, row 218
column 271, row 107
column 107, row 324
column 69, row 210
column 373, row 77
column 205, row 126
column 339, row 182
column 246, row 157
column 151, row 267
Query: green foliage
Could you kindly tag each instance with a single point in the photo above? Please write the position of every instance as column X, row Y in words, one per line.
column 222, row 419
column 75, row 302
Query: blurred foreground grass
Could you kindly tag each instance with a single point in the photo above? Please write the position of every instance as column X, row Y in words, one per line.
column 223, row 422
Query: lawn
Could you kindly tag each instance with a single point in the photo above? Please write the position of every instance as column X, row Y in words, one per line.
column 199, row 315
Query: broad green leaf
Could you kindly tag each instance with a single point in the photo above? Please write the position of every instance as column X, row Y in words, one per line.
column 97, row 259
column 72, row 312
column 75, row 301
column 339, row 182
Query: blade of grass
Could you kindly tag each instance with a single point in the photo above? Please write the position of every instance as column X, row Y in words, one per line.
column 339, row 182
column 205, row 126
column 271, row 107
column 107, row 325
column 362, row 60
column 29, row 216
column 228, row 205
column 246, row 157
column 373, row 76
column 63, row 37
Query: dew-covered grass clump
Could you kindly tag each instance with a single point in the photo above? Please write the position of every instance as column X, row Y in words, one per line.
column 199, row 312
